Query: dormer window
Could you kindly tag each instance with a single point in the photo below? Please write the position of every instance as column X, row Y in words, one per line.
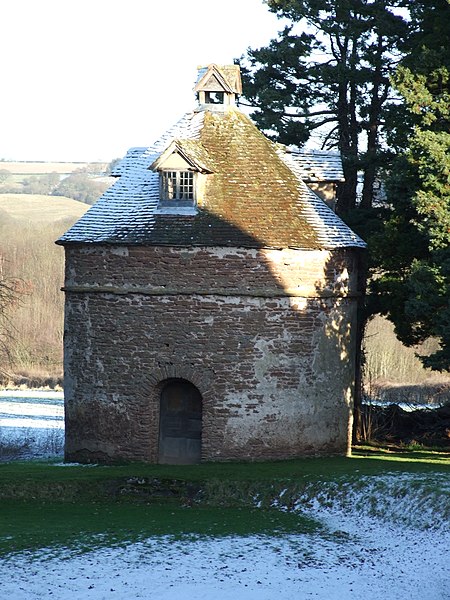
column 182, row 168
column 177, row 187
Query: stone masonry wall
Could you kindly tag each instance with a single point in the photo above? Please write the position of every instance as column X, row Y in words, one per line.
column 166, row 270
column 266, row 336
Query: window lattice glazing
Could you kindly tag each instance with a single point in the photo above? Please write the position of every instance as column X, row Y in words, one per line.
column 177, row 185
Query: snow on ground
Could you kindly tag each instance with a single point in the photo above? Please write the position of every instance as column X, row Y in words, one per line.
column 357, row 556
column 368, row 559
column 31, row 424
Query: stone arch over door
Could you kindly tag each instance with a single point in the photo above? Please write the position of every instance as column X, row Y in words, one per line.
column 180, row 422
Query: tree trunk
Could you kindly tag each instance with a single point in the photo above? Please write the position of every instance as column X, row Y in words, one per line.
column 361, row 321
column 376, row 102
column 348, row 138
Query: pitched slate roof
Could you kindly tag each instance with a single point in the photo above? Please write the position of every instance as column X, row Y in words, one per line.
column 315, row 165
column 255, row 196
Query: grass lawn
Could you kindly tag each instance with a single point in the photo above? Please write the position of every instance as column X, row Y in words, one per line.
column 27, row 525
column 366, row 460
column 49, row 505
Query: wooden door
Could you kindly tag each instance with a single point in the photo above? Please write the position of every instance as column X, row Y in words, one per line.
column 180, row 425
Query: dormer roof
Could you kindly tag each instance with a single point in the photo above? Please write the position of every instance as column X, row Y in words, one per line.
column 191, row 151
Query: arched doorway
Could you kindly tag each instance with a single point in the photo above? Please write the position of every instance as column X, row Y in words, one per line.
column 180, row 423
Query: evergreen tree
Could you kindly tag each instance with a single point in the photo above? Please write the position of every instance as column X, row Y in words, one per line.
column 330, row 68
column 413, row 252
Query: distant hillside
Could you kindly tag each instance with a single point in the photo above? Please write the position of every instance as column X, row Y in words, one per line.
column 84, row 182
column 31, row 329
column 42, row 168
column 39, row 208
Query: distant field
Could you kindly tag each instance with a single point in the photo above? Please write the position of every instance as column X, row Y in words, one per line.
column 34, row 207
column 41, row 168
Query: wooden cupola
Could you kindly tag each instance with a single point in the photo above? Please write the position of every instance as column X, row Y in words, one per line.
column 218, row 85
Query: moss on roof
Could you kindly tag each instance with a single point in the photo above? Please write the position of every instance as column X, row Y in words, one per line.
column 252, row 188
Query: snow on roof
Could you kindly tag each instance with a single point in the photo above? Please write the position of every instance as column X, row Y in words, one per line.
column 255, row 197
column 316, row 165
column 121, row 166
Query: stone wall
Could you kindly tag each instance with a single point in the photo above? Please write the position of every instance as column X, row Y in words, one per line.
column 236, row 271
column 267, row 336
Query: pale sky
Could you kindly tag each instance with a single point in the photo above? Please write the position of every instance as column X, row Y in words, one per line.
column 84, row 80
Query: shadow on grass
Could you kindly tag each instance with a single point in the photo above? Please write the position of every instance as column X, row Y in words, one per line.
column 30, row 525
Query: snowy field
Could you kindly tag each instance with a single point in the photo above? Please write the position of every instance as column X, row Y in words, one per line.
column 31, row 424
column 400, row 551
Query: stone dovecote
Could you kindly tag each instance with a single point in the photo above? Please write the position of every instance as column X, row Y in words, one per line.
column 211, row 300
